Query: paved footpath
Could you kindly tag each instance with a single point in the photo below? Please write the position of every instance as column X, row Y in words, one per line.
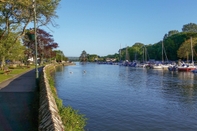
column 19, row 103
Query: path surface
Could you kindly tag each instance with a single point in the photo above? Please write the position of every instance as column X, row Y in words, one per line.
column 19, row 103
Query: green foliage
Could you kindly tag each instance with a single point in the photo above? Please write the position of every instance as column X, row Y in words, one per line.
column 172, row 42
column 185, row 49
column 15, row 15
column 191, row 27
column 71, row 118
column 172, row 32
column 10, row 51
column 171, row 45
column 114, row 56
column 60, row 56
column 92, row 58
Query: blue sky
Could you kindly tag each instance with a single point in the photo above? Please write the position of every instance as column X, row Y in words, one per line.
column 101, row 26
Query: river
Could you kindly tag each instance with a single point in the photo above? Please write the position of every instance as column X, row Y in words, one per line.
column 119, row 98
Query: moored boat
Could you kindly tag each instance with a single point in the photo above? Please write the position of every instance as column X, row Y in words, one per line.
column 173, row 68
column 186, row 67
column 157, row 66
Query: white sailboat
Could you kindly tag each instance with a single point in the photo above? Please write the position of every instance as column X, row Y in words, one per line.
column 144, row 58
column 160, row 65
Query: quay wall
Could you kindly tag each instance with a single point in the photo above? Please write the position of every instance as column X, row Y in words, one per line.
column 49, row 118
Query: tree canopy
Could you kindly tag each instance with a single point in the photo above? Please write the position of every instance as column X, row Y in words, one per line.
column 15, row 16
column 191, row 27
column 176, row 45
column 185, row 50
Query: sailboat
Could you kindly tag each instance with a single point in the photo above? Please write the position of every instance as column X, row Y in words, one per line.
column 160, row 65
column 126, row 63
column 144, row 58
column 187, row 66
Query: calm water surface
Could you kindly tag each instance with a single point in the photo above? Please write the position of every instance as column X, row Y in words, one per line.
column 118, row 98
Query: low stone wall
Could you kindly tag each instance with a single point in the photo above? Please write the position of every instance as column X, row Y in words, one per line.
column 49, row 118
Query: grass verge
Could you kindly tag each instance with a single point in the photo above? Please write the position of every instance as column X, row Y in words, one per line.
column 14, row 72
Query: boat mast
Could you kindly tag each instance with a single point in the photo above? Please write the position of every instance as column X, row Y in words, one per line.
column 120, row 52
column 145, row 53
column 191, row 49
column 162, row 51
column 126, row 57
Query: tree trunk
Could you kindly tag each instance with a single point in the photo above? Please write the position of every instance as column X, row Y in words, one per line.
column 2, row 62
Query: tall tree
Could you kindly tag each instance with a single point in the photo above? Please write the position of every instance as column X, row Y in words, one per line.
column 138, row 47
column 185, row 49
column 172, row 32
column 191, row 27
column 60, row 56
column 84, row 56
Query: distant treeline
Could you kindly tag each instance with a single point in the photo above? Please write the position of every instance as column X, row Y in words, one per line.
column 175, row 45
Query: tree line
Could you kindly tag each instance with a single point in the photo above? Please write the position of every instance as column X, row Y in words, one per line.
column 174, row 46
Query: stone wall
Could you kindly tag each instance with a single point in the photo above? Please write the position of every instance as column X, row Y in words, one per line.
column 49, row 118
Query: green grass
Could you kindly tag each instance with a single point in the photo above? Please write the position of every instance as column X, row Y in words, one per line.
column 13, row 73
column 71, row 118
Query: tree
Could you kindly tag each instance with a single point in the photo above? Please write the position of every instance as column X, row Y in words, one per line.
column 172, row 32
column 15, row 15
column 185, row 49
column 10, row 51
column 165, row 36
column 45, row 45
column 83, row 57
column 92, row 57
column 191, row 27
column 60, row 56
column 136, row 52
column 17, row 52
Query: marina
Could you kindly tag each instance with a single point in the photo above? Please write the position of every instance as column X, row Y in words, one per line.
column 114, row 97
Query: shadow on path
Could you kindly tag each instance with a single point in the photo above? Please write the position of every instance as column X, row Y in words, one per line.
column 19, row 103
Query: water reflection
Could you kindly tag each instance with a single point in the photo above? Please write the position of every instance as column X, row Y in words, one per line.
column 179, row 90
column 59, row 69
